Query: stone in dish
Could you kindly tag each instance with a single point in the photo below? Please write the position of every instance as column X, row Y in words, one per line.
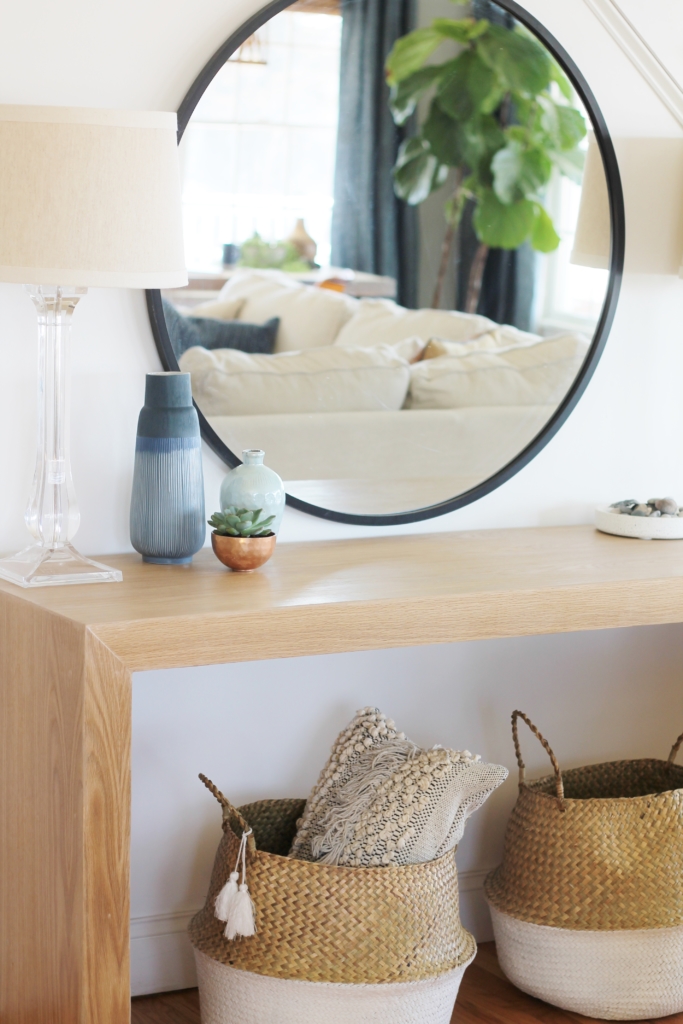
column 656, row 519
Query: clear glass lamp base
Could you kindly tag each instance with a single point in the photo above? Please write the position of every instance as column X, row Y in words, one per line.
column 39, row 566
column 52, row 515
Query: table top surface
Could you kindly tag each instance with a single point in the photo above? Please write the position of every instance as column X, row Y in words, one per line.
column 384, row 569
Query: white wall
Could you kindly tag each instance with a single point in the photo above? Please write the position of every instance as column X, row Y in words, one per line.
column 263, row 729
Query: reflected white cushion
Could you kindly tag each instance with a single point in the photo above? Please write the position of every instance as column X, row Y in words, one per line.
column 500, row 339
column 526, row 375
column 383, row 322
column 310, row 317
column 410, row 349
column 226, row 382
column 229, row 309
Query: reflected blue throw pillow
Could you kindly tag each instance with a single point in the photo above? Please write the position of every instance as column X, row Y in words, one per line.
column 187, row 331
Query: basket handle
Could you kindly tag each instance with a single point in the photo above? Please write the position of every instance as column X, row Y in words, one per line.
column 674, row 750
column 230, row 812
column 559, row 785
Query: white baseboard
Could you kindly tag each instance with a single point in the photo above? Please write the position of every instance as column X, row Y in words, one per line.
column 161, row 957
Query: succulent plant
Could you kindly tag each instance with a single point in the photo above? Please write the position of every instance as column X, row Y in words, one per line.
column 241, row 522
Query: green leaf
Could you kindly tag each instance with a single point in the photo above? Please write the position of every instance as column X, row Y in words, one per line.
column 406, row 93
column 463, row 31
column 558, row 75
column 409, row 53
column 544, row 237
column 517, row 134
column 572, row 126
column 483, row 138
column 483, row 86
column 240, row 522
column 564, row 125
column 417, row 172
column 444, row 135
column 520, row 61
column 469, row 87
column 454, row 95
column 570, row 164
column 503, row 226
column 519, row 172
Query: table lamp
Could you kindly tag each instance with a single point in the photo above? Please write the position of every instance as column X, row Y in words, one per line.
column 593, row 237
column 87, row 198
column 651, row 172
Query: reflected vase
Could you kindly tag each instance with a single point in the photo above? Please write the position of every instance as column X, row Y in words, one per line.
column 167, row 520
column 253, row 485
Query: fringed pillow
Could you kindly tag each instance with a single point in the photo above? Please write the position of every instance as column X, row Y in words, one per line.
column 381, row 800
column 369, row 730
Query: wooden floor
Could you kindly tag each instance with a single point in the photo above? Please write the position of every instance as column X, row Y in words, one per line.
column 485, row 996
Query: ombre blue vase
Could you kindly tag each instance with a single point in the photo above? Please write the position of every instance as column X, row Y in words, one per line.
column 167, row 520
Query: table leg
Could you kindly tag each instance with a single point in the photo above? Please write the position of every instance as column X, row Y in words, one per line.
column 65, row 726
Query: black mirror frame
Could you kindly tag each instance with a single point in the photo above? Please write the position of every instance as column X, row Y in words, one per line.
column 616, row 201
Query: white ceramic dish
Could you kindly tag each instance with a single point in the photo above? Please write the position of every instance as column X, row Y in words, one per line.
column 642, row 527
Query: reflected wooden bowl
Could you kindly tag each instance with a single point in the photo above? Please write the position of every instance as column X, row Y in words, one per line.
column 242, row 554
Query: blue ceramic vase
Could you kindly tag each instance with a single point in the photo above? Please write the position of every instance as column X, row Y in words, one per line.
column 167, row 521
column 253, row 485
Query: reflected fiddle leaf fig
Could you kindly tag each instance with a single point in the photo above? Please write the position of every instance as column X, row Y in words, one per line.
column 391, row 295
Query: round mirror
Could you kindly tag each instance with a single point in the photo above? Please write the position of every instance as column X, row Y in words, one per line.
column 404, row 231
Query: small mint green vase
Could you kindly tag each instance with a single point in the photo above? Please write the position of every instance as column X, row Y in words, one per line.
column 253, row 485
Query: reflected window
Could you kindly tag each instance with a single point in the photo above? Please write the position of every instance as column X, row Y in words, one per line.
column 259, row 152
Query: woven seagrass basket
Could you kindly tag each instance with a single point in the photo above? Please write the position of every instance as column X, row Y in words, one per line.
column 332, row 944
column 587, row 905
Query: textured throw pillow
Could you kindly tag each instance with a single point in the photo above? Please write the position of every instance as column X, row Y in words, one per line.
column 228, row 383
column 381, row 800
column 188, row 332
column 534, row 374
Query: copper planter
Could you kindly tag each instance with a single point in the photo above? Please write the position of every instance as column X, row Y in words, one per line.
column 242, row 554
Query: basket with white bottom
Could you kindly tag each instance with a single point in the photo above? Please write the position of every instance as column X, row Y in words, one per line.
column 332, row 945
column 587, row 906
column 229, row 996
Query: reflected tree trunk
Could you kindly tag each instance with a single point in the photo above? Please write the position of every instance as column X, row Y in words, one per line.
column 452, row 224
column 476, row 277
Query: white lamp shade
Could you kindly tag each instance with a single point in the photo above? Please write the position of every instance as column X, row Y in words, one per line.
column 651, row 172
column 90, row 198
column 593, row 229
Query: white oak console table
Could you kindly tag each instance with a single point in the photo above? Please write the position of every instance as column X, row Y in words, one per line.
column 66, row 658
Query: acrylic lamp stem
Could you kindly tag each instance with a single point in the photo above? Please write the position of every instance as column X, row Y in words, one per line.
column 52, row 515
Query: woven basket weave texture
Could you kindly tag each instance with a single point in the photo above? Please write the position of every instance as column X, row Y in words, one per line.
column 318, row 922
column 596, row 848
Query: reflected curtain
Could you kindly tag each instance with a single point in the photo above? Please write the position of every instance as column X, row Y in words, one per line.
column 507, row 290
column 372, row 230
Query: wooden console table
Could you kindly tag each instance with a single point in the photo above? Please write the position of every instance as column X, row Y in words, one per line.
column 66, row 658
